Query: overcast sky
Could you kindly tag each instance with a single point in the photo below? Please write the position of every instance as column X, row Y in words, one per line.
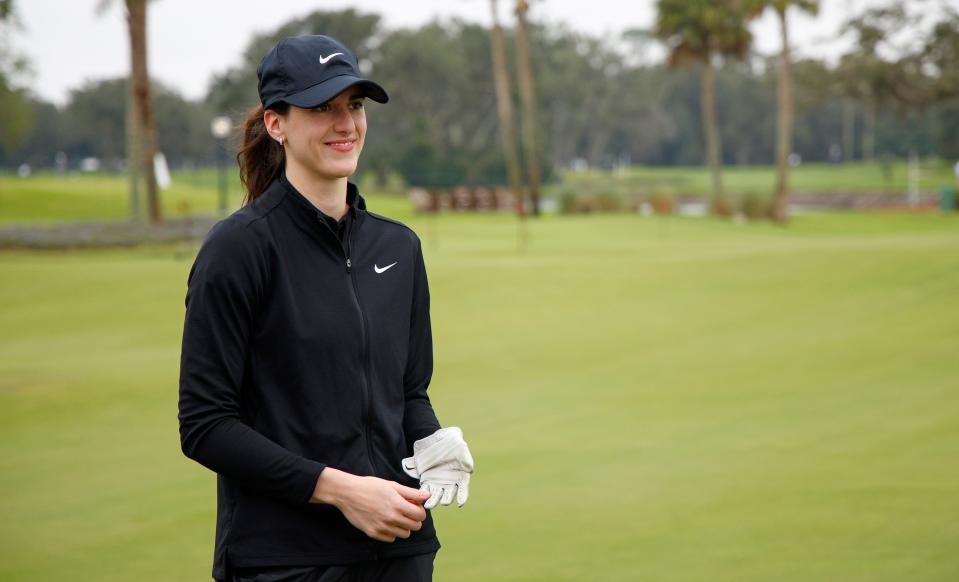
column 190, row 40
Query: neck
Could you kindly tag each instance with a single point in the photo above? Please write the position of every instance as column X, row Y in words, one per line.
column 327, row 195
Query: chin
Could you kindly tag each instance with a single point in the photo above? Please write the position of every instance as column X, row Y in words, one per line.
column 336, row 171
column 345, row 172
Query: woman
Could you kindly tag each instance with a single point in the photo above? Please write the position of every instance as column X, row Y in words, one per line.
column 307, row 350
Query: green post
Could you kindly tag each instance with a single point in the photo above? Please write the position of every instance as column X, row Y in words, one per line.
column 947, row 199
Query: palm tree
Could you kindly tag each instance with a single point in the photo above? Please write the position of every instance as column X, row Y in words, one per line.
column 785, row 115
column 504, row 106
column 143, row 103
column 697, row 32
column 867, row 80
column 141, row 136
column 529, row 100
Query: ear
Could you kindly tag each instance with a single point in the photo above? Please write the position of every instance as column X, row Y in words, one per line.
column 274, row 123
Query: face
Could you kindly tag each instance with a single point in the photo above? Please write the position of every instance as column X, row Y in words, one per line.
column 325, row 141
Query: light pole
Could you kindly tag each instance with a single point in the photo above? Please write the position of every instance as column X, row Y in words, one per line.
column 220, row 127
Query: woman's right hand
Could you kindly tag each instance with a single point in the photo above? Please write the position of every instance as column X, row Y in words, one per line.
column 383, row 510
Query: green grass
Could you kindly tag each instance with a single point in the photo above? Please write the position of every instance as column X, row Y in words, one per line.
column 761, row 180
column 646, row 399
column 47, row 198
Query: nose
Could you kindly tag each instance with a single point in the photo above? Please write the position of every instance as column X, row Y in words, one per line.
column 343, row 122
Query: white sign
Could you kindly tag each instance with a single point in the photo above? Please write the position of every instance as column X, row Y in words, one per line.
column 162, row 171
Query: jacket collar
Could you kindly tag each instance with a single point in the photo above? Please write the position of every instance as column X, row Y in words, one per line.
column 301, row 211
column 353, row 199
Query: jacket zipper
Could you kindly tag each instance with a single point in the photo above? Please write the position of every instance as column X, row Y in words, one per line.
column 367, row 404
column 367, row 399
column 366, row 351
column 366, row 364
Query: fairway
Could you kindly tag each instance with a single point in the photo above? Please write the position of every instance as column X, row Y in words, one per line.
column 646, row 398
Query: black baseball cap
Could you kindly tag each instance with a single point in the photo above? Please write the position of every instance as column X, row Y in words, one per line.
column 309, row 70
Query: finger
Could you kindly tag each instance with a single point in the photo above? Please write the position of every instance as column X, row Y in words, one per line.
column 408, row 492
column 398, row 532
column 413, row 511
column 400, row 520
column 462, row 492
column 448, row 492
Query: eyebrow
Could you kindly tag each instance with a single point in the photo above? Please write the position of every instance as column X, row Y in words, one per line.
column 353, row 98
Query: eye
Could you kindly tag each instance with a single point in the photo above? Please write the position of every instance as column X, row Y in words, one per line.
column 324, row 107
column 356, row 105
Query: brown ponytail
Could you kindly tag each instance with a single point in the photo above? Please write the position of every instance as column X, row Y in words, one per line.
column 261, row 158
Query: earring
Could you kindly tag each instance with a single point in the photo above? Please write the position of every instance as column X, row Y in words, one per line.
column 280, row 139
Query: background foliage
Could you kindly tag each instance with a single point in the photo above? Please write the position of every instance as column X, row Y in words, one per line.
column 598, row 102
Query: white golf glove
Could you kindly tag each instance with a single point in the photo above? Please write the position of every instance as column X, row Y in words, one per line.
column 443, row 463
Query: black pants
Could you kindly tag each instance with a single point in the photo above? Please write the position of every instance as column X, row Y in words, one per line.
column 408, row 569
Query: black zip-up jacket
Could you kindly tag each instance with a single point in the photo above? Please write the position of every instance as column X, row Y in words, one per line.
column 301, row 352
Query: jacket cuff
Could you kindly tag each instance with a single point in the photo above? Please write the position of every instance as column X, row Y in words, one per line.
column 309, row 475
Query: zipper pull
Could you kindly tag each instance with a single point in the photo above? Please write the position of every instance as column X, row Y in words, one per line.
column 348, row 265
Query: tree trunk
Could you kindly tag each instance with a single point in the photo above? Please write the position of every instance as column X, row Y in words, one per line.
column 869, row 132
column 136, row 14
column 504, row 106
column 529, row 106
column 848, row 130
column 133, row 155
column 780, row 209
column 713, row 153
column 381, row 172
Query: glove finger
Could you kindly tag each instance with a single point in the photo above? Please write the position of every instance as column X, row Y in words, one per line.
column 462, row 491
column 427, row 486
column 434, row 496
column 448, row 492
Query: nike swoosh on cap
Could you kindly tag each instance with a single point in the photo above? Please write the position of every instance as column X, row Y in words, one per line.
column 379, row 270
column 323, row 60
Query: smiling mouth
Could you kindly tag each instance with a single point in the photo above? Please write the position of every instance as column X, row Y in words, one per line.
column 342, row 145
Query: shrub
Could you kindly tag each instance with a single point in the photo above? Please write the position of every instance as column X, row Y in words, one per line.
column 608, row 202
column 661, row 203
column 722, row 207
column 572, row 203
column 567, row 201
column 756, row 207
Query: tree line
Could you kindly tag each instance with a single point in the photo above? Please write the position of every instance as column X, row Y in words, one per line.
column 597, row 104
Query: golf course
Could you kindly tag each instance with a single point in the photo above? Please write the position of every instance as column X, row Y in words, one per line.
column 646, row 398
